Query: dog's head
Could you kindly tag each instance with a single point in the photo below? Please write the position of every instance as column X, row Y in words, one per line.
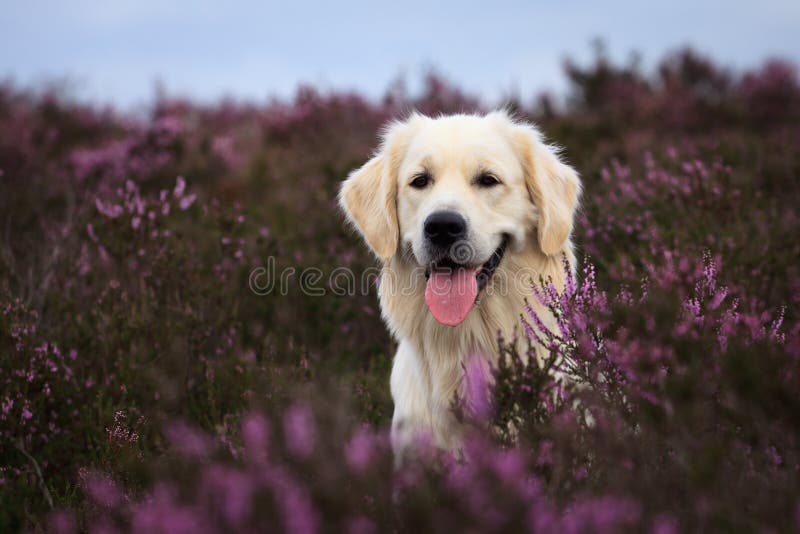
column 456, row 192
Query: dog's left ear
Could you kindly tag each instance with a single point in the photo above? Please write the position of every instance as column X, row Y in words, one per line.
column 554, row 187
column 368, row 199
column 369, row 194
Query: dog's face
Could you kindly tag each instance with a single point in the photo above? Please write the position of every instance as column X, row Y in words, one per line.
column 452, row 194
column 460, row 193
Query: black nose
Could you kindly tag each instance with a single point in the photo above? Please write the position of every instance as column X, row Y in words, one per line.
column 444, row 228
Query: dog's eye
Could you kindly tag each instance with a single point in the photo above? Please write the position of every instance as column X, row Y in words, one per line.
column 421, row 180
column 487, row 180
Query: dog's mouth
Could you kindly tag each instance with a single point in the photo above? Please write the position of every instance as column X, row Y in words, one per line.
column 452, row 288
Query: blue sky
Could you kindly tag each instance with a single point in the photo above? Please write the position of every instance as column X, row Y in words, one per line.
column 116, row 50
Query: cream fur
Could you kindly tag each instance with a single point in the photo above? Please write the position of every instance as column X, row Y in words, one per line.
column 534, row 205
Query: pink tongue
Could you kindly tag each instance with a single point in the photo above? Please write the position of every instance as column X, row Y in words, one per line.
column 451, row 293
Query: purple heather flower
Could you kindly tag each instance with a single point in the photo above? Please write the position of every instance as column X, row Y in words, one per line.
column 359, row 450
column 180, row 187
column 477, row 375
column 255, row 435
column 189, row 441
column 101, row 489
column 299, row 430
column 187, row 201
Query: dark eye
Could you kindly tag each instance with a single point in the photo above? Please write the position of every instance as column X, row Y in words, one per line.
column 421, row 180
column 487, row 180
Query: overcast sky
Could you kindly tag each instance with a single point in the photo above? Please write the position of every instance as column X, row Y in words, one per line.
column 115, row 50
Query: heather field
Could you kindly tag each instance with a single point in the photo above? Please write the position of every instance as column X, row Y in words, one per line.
column 148, row 385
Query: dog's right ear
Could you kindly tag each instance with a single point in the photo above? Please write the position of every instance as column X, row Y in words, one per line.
column 369, row 195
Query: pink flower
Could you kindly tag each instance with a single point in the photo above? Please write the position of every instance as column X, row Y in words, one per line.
column 112, row 211
column 101, row 489
column 359, row 450
column 90, row 232
column 189, row 441
column 255, row 435
column 299, row 431
column 545, row 454
column 187, row 201
column 477, row 376
column 180, row 187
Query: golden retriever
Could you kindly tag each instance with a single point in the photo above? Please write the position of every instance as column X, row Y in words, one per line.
column 464, row 212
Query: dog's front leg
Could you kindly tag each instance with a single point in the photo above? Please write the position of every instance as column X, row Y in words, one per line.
column 410, row 385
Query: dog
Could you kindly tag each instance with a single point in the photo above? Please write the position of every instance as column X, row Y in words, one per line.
column 464, row 212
